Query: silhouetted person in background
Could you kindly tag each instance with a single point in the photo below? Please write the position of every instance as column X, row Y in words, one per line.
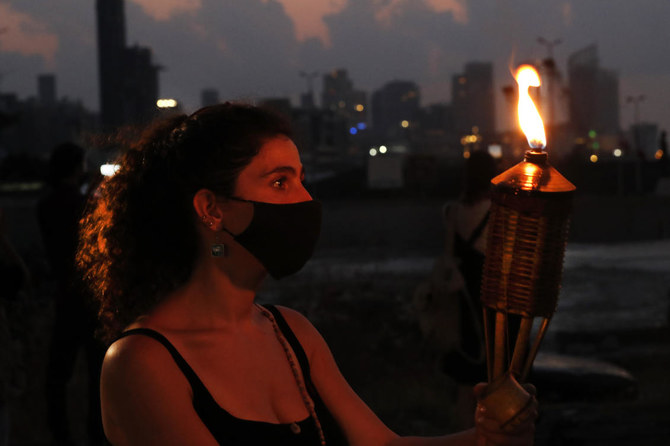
column 663, row 147
column 58, row 214
column 14, row 279
column 466, row 223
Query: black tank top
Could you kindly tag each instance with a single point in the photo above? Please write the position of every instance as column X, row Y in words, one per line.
column 232, row 431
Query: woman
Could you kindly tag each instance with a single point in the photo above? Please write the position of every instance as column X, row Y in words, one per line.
column 201, row 210
column 466, row 224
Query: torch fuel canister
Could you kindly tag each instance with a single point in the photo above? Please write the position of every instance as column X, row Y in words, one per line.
column 530, row 211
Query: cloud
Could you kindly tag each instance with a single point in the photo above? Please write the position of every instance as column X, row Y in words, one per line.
column 407, row 40
column 456, row 7
column 387, row 9
column 163, row 10
column 307, row 16
column 23, row 34
column 245, row 49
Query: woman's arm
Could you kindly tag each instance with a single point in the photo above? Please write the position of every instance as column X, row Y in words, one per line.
column 361, row 426
column 146, row 400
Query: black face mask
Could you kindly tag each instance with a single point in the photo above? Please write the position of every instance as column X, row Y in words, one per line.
column 281, row 236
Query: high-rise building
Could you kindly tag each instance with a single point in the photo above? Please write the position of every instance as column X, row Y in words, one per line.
column 472, row 96
column 111, row 23
column 594, row 94
column 340, row 97
column 46, row 89
column 394, row 109
column 141, row 85
column 209, row 96
column 128, row 77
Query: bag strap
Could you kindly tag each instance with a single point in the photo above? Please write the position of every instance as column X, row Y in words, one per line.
column 479, row 229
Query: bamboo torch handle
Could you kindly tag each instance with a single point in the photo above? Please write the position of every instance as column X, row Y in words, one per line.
column 499, row 348
column 521, row 345
column 487, row 344
column 534, row 349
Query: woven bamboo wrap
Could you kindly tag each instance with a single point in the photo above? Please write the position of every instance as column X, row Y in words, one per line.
column 525, row 248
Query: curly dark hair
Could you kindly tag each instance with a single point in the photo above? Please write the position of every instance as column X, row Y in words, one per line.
column 138, row 237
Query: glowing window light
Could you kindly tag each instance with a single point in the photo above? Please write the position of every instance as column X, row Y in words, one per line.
column 109, row 169
column 166, row 103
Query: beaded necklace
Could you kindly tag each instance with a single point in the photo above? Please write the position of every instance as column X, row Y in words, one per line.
column 309, row 404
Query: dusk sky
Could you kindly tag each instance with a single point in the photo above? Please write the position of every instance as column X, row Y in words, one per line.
column 255, row 48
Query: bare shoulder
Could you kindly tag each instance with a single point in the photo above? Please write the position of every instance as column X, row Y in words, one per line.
column 307, row 334
column 135, row 357
column 143, row 390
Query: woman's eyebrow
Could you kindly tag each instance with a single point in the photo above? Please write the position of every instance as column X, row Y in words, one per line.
column 285, row 169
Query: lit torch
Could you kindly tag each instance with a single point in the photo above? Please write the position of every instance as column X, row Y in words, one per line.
column 530, row 207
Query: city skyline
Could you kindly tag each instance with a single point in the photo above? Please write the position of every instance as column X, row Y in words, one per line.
column 202, row 45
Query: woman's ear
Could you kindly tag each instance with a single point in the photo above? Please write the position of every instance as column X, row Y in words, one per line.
column 208, row 209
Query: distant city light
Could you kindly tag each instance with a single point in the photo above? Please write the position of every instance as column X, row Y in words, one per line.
column 360, row 107
column 353, row 130
column 469, row 139
column 466, row 154
column 166, row 103
column 495, row 150
column 592, row 134
column 361, row 126
column 373, row 152
column 382, row 149
column 659, row 154
column 109, row 169
column 594, row 158
column 404, row 123
column 618, row 152
column 341, row 104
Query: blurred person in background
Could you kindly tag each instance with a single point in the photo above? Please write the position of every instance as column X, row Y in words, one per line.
column 15, row 284
column 447, row 304
column 58, row 212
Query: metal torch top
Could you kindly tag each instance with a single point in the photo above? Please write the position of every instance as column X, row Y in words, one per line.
column 533, row 174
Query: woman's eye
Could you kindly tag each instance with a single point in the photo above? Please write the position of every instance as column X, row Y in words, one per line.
column 279, row 183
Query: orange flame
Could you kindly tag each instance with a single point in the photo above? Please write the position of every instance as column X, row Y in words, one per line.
column 529, row 118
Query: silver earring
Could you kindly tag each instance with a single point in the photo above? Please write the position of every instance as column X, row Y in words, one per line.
column 218, row 249
column 209, row 223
